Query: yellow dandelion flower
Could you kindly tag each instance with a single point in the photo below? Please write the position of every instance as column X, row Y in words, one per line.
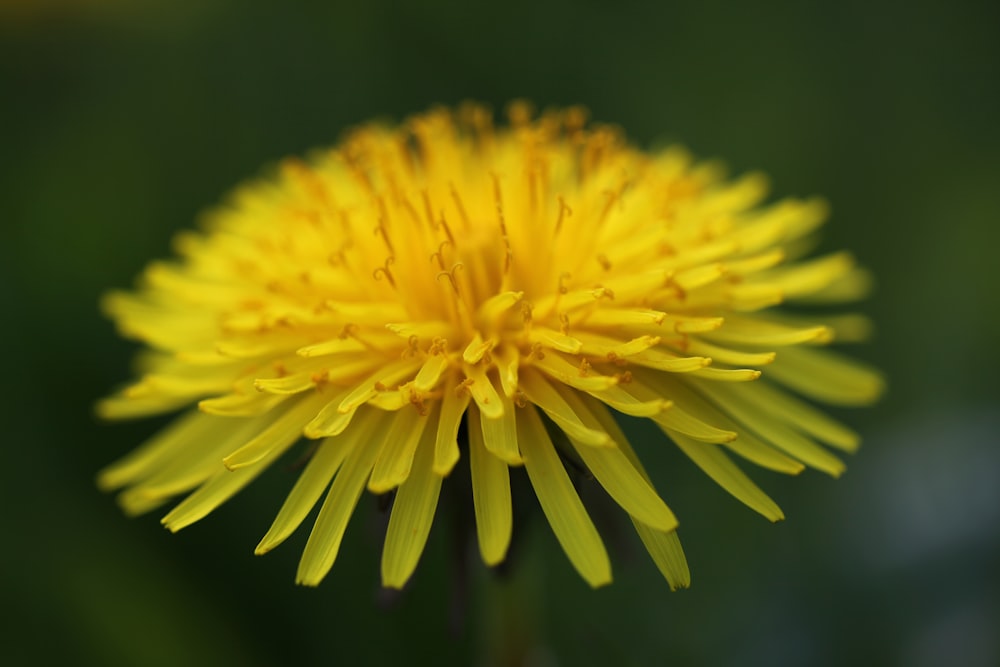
column 523, row 283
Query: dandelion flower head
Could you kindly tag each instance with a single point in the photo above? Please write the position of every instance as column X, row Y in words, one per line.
column 517, row 285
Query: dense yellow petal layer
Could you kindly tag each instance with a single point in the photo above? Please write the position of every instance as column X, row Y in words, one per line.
column 447, row 289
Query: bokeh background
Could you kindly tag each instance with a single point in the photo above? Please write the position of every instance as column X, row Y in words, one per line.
column 122, row 119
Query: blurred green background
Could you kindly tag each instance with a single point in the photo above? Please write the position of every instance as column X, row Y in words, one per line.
column 121, row 120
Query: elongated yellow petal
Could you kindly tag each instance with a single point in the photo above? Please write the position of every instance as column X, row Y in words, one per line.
column 826, row 376
column 665, row 550
column 626, row 403
column 542, row 394
column 324, row 540
column 190, row 429
column 613, row 348
column 670, row 363
column 484, row 393
column 699, row 276
column 493, row 308
column 688, row 420
column 678, row 420
column 507, row 365
column 809, row 277
column 780, row 404
column 329, row 420
column 624, row 483
column 490, row 497
column 412, row 515
column 279, row 434
column 500, row 434
column 740, row 330
column 476, row 349
column 621, row 317
column 852, row 286
column 217, row 490
column 317, row 371
column 773, row 430
column 310, row 485
column 388, row 376
column 241, row 405
column 744, row 444
column 566, row 514
column 717, row 465
column 727, row 374
column 664, row 547
column 846, row 328
column 394, row 463
column 553, row 339
column 335, row 346
column 557, row 367
column 122, row 407
column 430, row 373
column 727, row 355
column 154, row 385
column 195, row 461
column 453, row 406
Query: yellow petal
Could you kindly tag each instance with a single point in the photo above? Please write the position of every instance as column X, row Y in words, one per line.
column 192, row 463
column 189, row 428
column 553, row 339
column 500, row 434
column 217, row 490
column 744, row 444
column 388, row 376
column 613, row 348
column 394, row 463
column 853, row 286
column 621, row 480
column 310, row 485
column 123, row 407
column 670, row 363
column 490, row 497
column 827, row 376
column 772, row 429
column 453, row 405
column 241, row 405
column 727, row 374
column 665, row 550
column 773, row 401
column 484, row 393
column 493, row 308
column 507, row 361
column 664, row 547
column 727, row 355
column 541, row 393
column 430, row 373
column 627, row 404
column 328, row 531
column 280, row 434
column 806, row 278
column 412, row 515
column 329, row 420
column 714, row 462
column 556, row 366
column 739, row 330
column 647, row 386
column 560, row 503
